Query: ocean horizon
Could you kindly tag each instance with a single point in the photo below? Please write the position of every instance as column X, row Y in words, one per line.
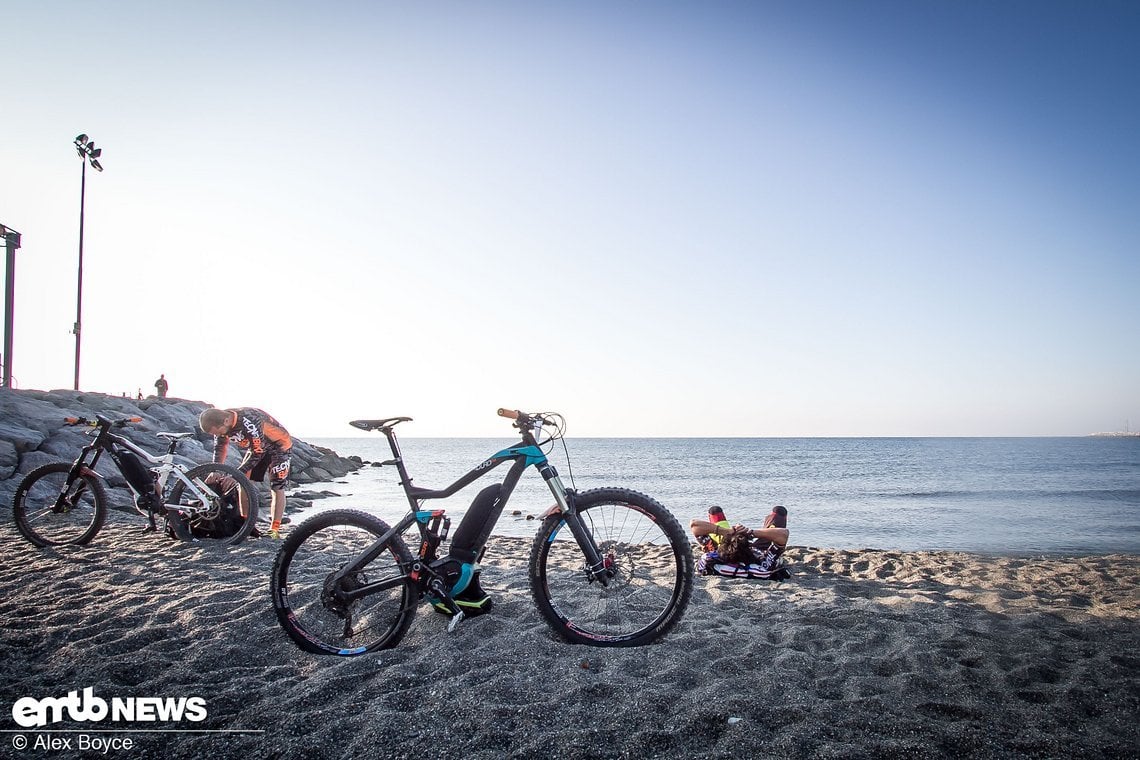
column 1001, row 495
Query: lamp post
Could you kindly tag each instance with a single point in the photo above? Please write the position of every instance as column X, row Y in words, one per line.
column 11, row 243
column 87, row 152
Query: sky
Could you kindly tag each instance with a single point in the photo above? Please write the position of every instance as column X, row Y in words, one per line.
column 818, row 218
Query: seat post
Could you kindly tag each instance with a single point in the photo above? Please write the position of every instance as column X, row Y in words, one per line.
column 398, row 458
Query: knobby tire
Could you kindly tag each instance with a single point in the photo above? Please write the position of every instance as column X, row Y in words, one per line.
column 35, row 515
column 651, row 567
column 305, row 597
column 203, row 527
column 35, row 496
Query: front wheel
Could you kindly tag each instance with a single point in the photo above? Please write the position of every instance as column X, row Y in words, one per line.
column 326, row 610
column 648, row 570
column 219, row 517
column 50, row 511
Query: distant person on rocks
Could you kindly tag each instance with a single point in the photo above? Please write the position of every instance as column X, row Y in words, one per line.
column 736, row 551
column 266, row 445
column 161, row 385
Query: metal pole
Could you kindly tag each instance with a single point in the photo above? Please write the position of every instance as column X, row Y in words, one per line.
column 79, row 289
column 12, row 242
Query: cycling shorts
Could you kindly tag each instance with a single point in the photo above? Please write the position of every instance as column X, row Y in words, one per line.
column 275, row 464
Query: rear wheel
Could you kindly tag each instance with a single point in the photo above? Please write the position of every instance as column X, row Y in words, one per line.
column 648, row 569
column 219, row 517
column 50, row 512
column 310, row 591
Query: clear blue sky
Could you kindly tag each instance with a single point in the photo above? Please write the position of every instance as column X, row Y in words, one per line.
column 706, row 218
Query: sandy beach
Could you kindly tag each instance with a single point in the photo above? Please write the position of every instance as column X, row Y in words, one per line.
column 861, row 654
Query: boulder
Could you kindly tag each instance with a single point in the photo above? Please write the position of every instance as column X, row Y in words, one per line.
column 33, row 433
column 8, row 459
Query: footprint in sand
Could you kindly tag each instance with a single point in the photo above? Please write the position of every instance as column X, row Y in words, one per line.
column 1034, row 697
column 945, row 711
column 1033, row 674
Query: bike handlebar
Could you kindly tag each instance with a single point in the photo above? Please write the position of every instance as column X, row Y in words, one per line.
column 525, row 420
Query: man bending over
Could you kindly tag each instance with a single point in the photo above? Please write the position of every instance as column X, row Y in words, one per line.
column 266, row 444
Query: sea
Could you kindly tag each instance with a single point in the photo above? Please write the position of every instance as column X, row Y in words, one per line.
column 1009, row 496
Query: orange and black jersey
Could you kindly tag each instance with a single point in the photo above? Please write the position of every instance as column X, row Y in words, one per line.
column 252, row 430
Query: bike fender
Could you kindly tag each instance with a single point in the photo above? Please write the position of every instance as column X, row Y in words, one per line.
column 88, row 471
column 553, row 510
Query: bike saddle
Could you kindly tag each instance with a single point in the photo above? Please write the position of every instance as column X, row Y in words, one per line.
column 173, row 436
column 379, row 424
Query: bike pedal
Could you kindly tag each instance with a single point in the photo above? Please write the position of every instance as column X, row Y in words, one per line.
column 442, row 600
column 455, row 621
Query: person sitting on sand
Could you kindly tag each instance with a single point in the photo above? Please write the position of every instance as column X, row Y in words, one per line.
column 737, row 551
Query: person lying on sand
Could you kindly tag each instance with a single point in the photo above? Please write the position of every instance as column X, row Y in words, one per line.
column 737, row 551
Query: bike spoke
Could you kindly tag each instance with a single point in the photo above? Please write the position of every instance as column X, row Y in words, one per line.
column 37, row 517
column 309, row 586
column 647, row 571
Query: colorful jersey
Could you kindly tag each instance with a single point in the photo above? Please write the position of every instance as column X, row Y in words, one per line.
column 722, row 524
column 254, row 431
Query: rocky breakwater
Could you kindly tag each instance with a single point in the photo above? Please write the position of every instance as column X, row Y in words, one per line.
column 33, row 433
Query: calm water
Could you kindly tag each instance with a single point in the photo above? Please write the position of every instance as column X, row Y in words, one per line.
column 1003, row 495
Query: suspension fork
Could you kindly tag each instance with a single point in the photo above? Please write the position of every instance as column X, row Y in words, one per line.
column 564, row 501
column 77, row 467
column 80, row 462
column 564, row 505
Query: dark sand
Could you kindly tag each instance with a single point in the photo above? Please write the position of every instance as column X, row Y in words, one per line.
column 862, row 654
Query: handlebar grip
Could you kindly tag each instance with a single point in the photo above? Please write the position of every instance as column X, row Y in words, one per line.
column 511, row 414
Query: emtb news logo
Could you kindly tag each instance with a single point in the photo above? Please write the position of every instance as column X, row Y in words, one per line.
column 30, row 712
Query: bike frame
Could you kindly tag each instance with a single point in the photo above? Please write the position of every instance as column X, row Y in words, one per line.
column 528, row 454
column 165, row 464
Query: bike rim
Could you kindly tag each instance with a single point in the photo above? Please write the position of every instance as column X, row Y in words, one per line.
column 309, row 598
column 645, row 583
column 219, row 518
column 41, row 518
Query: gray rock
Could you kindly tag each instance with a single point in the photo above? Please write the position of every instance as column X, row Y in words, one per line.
column 8, row 459
column 318, row 474
column 312, row 495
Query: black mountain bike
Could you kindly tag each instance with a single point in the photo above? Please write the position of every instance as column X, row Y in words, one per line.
column 66, row 502
column 609, row 566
